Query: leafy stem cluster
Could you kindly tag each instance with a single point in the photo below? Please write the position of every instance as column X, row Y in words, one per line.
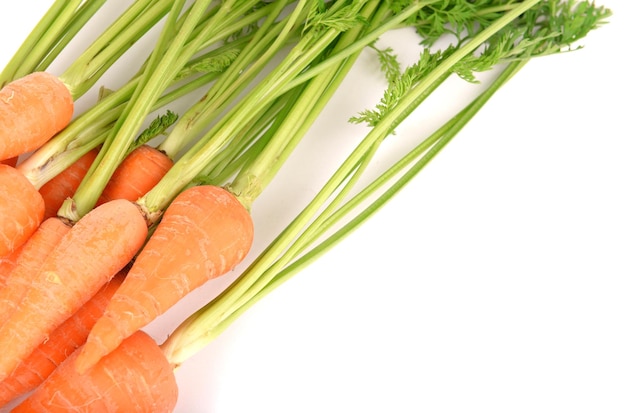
column 549, row 27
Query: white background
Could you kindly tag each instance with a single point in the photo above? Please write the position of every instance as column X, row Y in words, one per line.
column 495, row 282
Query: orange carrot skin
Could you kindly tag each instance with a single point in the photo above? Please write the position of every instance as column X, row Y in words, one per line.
column 63, row 186
column 30, row 259
column 96, row 248
column 21, row 209
column 135, row 378
column 204, row 233
column 32, row 110
column 62, row 342
column 141, row 170
column 7, row 263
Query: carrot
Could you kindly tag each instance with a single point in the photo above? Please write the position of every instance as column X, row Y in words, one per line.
column 62, row 342
column 204, row 233
column 136, row 378
column 62, row 186
column 27, row 264
column 21, row 209
column 7, row 263
column 33, row 108
column 96, row 248
column 136, row 175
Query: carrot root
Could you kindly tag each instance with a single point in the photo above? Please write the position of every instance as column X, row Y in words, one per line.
column 204, row 233
column 32, row 110
column 32, row 254
column 21, row 209
column 136, row 377
column 141, row 170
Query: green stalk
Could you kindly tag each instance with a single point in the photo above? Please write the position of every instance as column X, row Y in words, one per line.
column 255, row 177
column 41, row 39
column 264, row 45
column 161, row 69
column 248, row 144
column 257, row 100
column 78, row 21
column 135, row 22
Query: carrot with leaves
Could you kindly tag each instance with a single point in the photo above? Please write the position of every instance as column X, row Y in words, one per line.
column 37, row 105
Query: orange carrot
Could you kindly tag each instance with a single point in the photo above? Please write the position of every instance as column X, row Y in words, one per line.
column 27, row 264
column 204, row 233
column 136, row 377
column 136, row 175
column 7, row 263
column 97, row 247
column 32, row 110
column 21, row 209
column 10, row 161
column 62, row 342
column 62, row 186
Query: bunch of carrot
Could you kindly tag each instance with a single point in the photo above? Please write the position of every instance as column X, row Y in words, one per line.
column 102, row 257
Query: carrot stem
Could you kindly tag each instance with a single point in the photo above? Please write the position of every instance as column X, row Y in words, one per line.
column 161, row 69
column 140, row 17
column 256, row 53
column 53, row 31
column 257, row 100
column 255, row 176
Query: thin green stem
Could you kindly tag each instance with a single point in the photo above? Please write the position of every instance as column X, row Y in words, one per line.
column 43, row 37
column 78, row 21
column 253, row 179
column 131, row 25
column 263, row 46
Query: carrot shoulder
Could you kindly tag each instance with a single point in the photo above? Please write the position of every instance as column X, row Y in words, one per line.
column 60, row 344
column 136, row 175
column 21, row 209
column 136, row 377
column 32, row 254
column 204, row 233
column 32, row 110
column 97, row 247
column 62, row 186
